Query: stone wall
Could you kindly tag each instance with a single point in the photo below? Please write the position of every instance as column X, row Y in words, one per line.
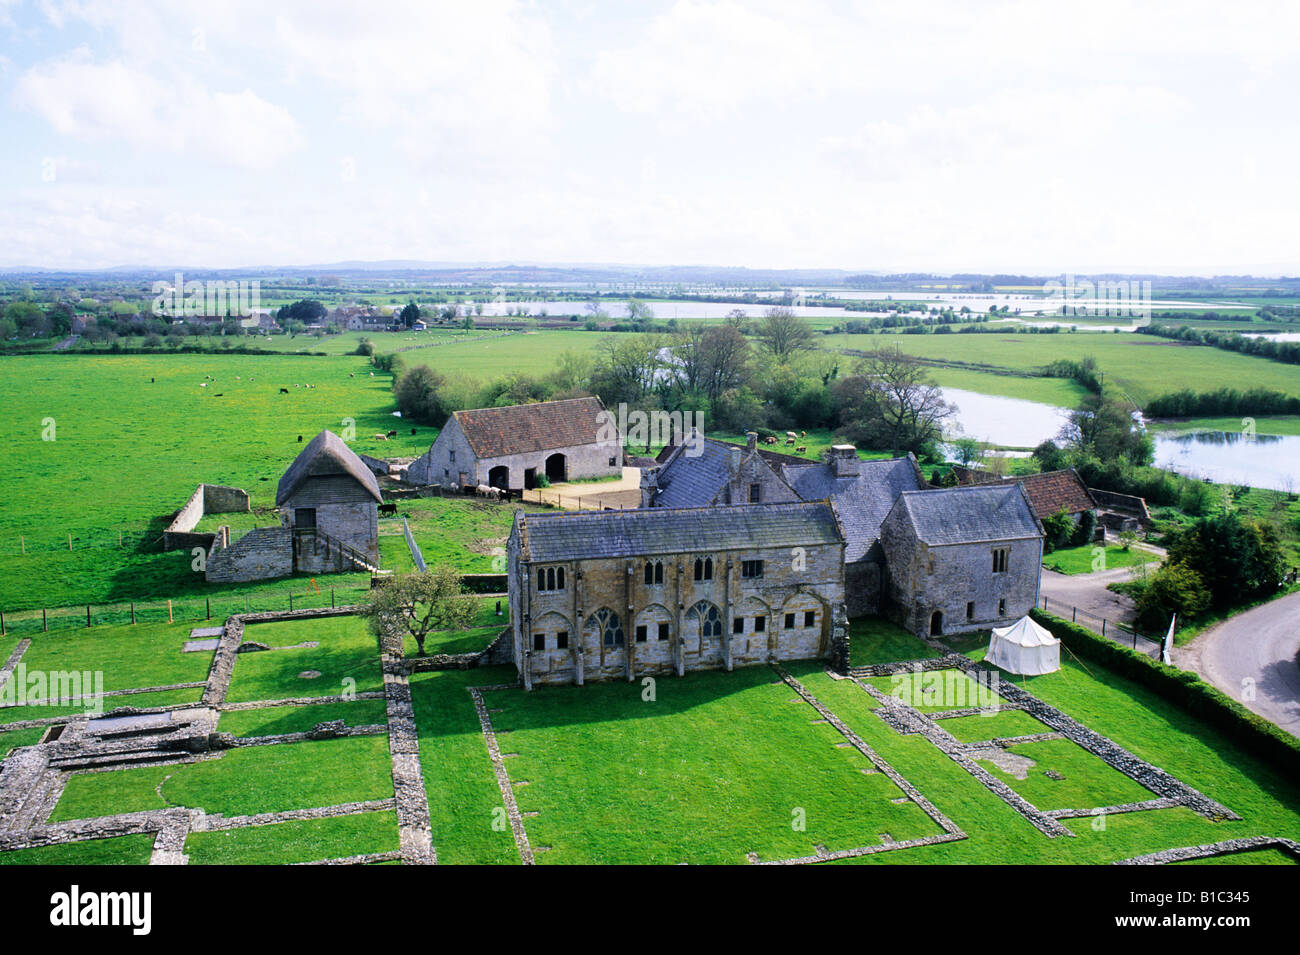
column 661, row 632
column 922, row 580
column 862, row 587
column 206, row 499
column 261, row 554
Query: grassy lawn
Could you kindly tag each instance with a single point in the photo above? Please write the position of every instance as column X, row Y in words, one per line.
column 274, row 720
column 241, row 781
column 1085, row 559
column 1264, row 424
column 1269, row 856
column 129, row 657
column 14, row 738
column 718, row 766
column 120, row 850
column 1088, row 782
column 877, row 640
column 1003, row 724
column 285, row 843
column 936, row 690
column 347, row 652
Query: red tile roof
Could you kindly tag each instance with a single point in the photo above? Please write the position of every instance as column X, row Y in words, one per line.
column 496, row 432
column 1049, row 492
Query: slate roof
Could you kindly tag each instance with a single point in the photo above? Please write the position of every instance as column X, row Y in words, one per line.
column 1048, row 492
column 967, row 515
column 518, row 429
column 862, row 501
column 325, row 454
column 647, row 531
column 695, row 480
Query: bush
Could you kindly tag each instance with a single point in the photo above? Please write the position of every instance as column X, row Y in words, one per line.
column 1187, row 690
column 419, row 398
column 1173, row 589
column 1058, row 530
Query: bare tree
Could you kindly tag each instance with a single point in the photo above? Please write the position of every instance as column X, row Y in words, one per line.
column 785, row 334
column 891, row 403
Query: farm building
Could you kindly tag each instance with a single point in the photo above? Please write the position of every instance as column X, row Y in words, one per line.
column 329, row 520
column 515, row 447
column 601, row 595
column 1049, row 492
column 962, row 558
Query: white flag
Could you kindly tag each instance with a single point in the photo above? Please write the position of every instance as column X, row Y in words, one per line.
column 1165, row 653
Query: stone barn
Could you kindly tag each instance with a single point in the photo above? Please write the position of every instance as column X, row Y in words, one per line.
column 513, row 447
column 329, row 521
column 960, row 559
column 605, row 595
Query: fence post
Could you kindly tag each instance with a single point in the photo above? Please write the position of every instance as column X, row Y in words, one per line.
column 1103, row 626
column 69, row 540
column 2, row 623
column 87, row 615
column 331, row 598
column 133, row 613
column 291, row 602
column 208, row 602
column 45, row 624
column 1074, row 615
column 169, row 611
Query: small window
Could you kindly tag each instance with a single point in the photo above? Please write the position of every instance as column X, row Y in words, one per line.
column 760, row 624
column 649, row 572
column 451, row 456
column 970, row 610
column 613, row 462
column 550, row 578
column 789, row 621
column 562, row 640
column 755, row 494
column 640, row 633
column 446, row 473
column 704, row 568
column 663, row 631
column 810, row 618
column 539, row 641
column 1000, row 560
column 751, row 568
column 1002, row 607
column 738, row 625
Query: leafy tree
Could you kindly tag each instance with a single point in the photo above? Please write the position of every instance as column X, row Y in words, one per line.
column 418, row 395
column 1239, row 559
column 1058, row 530
column 1104, row 427
column 968, row 451
column 1050, row 457
column 409, row 315
column 419, row 604
column 306, row 311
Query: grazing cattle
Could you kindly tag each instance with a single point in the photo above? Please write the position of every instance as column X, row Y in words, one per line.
column 392, row 434
column 494, row 493
column 803, row 434
column 389, row 509
column 803, row 450
column 380, row 437
column 203, row 384
column 219, row 394
column 284, row 391
column 791, row 434
column 771, row 440
column 300, row 439
column 790, row 440
column 482, row 490
column 412, row 431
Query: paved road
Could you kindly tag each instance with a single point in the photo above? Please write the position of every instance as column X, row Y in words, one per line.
column 1087, row 592
column 1259, row 645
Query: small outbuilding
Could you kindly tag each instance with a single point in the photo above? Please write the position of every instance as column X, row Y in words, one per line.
column 1024, row 647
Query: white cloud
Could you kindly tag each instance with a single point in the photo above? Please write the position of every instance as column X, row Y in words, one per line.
column 92, row 101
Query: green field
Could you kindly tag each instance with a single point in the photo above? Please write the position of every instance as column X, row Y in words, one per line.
column 1085, row 560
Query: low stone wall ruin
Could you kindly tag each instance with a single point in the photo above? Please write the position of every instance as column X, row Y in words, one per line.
column 206, row 499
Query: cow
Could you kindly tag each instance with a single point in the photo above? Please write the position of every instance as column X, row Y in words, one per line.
column 388, row 509
column 300, row 439
column 482, row 490
column 790, row 440
column 412, row 431
column 219, row 394
column 494, row 494
column 392, row 434
column 380, row 437
column 284, row 391
column 803, row 450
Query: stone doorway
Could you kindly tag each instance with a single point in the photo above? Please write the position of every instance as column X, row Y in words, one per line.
column 556, row 469
column 936, row 624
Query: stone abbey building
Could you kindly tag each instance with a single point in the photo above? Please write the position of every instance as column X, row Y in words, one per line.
column 600, row 595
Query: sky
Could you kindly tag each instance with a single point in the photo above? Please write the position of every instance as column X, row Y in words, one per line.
column 1028, row 137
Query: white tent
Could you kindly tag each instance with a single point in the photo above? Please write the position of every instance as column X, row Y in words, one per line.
column 1024, row 647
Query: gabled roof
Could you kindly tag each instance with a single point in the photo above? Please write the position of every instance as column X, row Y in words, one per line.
column 1049, row 492
column 325, row 455
column 695, row 480
column 517, row 429
column 862, row 501
column 968, row 515
column 660, row 531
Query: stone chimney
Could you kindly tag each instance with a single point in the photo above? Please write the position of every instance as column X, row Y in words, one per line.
column 735, row 460
column 751, row 440
column 844, row 459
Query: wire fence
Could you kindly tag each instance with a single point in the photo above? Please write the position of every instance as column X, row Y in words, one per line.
column 1120, row 633
column 613, row 500
column 23, row 544
column 179, row 610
